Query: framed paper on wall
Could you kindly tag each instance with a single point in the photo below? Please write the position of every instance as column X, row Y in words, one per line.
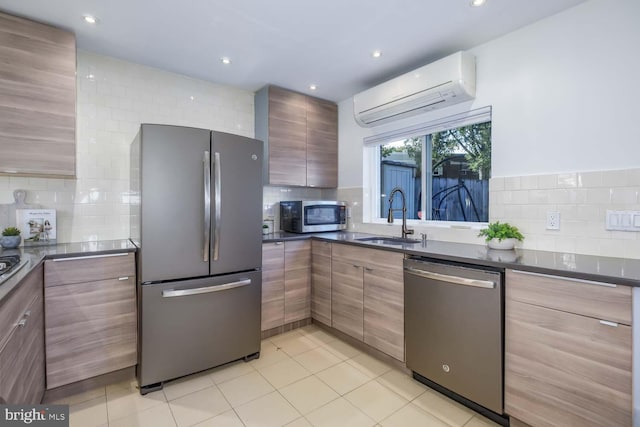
column 37, row 226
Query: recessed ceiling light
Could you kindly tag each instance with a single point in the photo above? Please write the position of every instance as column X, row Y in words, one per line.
column 90, row 19
column 478, row 3
column 376, row 54
column 313, row 87
column 225, row 60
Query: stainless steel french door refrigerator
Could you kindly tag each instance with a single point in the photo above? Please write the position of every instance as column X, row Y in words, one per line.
column 198, row 229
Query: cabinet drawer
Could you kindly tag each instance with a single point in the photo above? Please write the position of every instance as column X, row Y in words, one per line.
column 63, row 271
column 364, row 257
column 90, row 329
column 14, row 307
column 601, row 301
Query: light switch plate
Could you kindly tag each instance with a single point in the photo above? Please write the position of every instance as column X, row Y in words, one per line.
column 623, row 220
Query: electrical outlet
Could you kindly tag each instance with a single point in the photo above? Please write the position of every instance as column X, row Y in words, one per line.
column 553, row 220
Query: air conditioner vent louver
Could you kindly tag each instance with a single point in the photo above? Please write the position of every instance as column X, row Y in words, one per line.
column 440, row 84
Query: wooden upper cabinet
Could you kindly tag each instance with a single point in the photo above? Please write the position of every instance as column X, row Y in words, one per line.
column 301, row 138
column 37, row 99
column 287, row 137
column 322, row 143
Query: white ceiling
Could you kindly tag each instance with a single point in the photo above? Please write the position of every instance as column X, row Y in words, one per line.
column 290, row 43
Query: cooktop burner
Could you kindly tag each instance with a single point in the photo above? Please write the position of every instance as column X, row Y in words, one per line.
column 7, row 263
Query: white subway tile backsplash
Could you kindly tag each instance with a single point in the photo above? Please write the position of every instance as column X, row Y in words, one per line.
column 496, row 184
column 624, row 196
column 567, row 180
column 536, row 196
column 618, row 178
column 582, row 199
column 558, row 196
column 512, row 183
column 520, row 197
column 529, row 182
column 599, row 195
column 547, row 181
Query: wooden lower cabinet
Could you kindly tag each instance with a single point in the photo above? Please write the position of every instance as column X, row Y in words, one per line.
column 347, row 306
column 367, row 296
column 321, row 281
column 286, row 282
column 384, row 309
column 563, row 368
column 22, row 368
column 90, row 327
column 272, row 285
column 297, row 280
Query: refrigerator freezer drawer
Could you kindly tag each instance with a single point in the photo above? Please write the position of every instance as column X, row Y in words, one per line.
column 192, row 325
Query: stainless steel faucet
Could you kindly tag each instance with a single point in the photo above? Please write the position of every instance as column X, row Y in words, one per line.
column 405, row 230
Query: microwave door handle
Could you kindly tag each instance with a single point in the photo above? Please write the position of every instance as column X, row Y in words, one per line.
column 218, row 205
column 207, row 206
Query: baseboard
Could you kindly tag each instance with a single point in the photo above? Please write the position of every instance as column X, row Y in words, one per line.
column 58, row 393
column 285, row 328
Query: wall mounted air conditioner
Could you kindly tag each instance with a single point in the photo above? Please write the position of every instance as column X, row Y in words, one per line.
column 443, row 83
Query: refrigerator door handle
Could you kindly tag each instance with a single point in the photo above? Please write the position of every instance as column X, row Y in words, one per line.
column 218, row 205
column 207, row 206
column 168, row 293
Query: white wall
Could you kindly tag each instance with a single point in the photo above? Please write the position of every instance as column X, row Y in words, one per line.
column 565, row 99
column 564, row 91
column 114, row 97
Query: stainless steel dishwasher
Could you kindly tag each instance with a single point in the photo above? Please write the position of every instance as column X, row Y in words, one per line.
column 454, row 331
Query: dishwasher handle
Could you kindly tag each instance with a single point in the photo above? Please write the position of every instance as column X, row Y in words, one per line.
column 457, row 280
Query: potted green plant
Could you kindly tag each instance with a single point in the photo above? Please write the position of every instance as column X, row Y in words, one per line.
column 10, row 238
column 501, row 235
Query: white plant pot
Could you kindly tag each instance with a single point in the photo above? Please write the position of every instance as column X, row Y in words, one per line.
column 504, row 244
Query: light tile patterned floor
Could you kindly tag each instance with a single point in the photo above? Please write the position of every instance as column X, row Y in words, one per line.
column 305, row 377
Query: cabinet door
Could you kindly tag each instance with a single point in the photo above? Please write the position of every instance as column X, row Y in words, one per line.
column 347, row 298
column 322, row 143
column 287, row 137
column 90, row 329
column 321, row 282
column 272, row 285
column 384, row 310
column 297, row 280
column 22, row 355
column 37, row 98
column 566, row 369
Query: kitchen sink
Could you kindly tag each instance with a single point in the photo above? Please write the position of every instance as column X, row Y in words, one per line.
column 386, row 240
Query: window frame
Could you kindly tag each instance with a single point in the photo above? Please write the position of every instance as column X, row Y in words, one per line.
column 371, row 167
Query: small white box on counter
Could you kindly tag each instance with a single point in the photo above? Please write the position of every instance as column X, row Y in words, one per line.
column 37, row 225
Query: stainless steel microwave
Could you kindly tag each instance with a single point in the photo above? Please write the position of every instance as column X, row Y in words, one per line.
column 313, row 216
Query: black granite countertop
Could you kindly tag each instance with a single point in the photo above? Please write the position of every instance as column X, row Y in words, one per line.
column 620, row 271
column 36, row 254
